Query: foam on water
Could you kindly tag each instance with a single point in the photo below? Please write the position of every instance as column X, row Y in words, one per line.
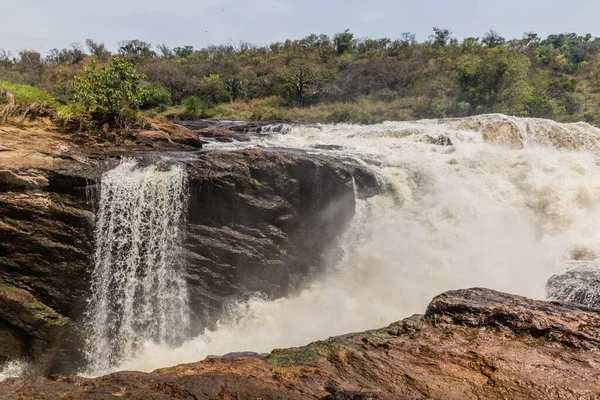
column 13, row 369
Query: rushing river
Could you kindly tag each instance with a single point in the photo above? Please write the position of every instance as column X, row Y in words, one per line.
column 492, row 201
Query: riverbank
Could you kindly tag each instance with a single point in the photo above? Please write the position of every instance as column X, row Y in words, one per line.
column 473, row 343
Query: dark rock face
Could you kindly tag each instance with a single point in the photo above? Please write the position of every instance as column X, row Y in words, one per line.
column 46, row 235
column 258, row 221
column 263, row 221
column 470, row 344
column 580, row 284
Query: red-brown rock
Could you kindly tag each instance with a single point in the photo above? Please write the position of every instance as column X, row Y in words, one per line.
column 470, row 344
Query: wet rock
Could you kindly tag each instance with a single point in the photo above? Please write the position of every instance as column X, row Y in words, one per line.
column 327, row 147
column 262, row 221
column 580, row 284
column 241, row 128
column 29, row 179
column 239, row 354
column 352, row 395
column 44, row 331
column 441, row 140
column 506, row 133
column 474, row 343
column 222, row 135
column 517, row 132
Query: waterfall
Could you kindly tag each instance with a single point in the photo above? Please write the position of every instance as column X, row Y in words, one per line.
column 138, row 291
column 491, row 201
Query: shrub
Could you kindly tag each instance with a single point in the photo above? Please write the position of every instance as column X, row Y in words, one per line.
column 460, row 109
column 573, row 102
column 157, row 96
column 108, row 91
column 541, row 107
column 213, row 90
column 194, row 107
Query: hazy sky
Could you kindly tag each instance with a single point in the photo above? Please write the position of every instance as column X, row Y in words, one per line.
column 44, row 24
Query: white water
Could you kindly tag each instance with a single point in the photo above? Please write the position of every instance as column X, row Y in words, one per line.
column 473, row 214
column 138, row 294
column 13, row 369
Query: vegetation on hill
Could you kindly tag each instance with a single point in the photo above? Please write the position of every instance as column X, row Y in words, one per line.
column 317, row 79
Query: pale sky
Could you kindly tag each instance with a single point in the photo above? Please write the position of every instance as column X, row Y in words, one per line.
column 44, row 24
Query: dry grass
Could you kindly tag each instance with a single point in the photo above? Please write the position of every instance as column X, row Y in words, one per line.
column 273, row 108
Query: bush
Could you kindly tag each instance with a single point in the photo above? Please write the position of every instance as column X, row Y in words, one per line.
column 460, row 109
column 495, row 83
column 157, row 96
column 573, row 102
column 213, row 90
column 541, row 107
column 194, row 108
column 108, row 91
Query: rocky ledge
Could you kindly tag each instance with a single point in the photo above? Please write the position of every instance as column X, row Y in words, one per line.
column 470, row 344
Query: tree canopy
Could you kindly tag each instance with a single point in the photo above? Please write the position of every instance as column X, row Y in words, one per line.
column 557, row 76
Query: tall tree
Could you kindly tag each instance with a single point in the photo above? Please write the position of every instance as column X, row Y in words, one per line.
column 344, row 41
column 301, row 79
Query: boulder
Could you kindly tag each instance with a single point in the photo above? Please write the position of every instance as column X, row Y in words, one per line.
column 579, row 284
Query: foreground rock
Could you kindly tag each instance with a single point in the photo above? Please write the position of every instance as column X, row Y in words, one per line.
column 470, row 344
column 258, row 221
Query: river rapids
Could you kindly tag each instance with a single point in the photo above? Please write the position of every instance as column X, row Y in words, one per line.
column 489, row 201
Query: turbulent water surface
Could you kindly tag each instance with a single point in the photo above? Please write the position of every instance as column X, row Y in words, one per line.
column 491, row 201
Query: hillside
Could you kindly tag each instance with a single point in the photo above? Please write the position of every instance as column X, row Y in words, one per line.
column 339, row 79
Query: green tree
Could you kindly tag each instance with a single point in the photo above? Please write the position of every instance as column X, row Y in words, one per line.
column 194, row 107
column 108, row 91
column 5, row 58
column 235, row 87
column 184, row 51
column 213, row 90
column 493, row 39
column 136, row 49
column 157, row 96
column 301, row 79
column 496, row 83
column 97, row 49
column 441, row 37
column 344, row 41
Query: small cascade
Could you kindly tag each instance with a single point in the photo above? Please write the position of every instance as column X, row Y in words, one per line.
column 138, row 291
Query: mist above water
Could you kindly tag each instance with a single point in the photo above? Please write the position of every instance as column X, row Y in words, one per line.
column 492, row 201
